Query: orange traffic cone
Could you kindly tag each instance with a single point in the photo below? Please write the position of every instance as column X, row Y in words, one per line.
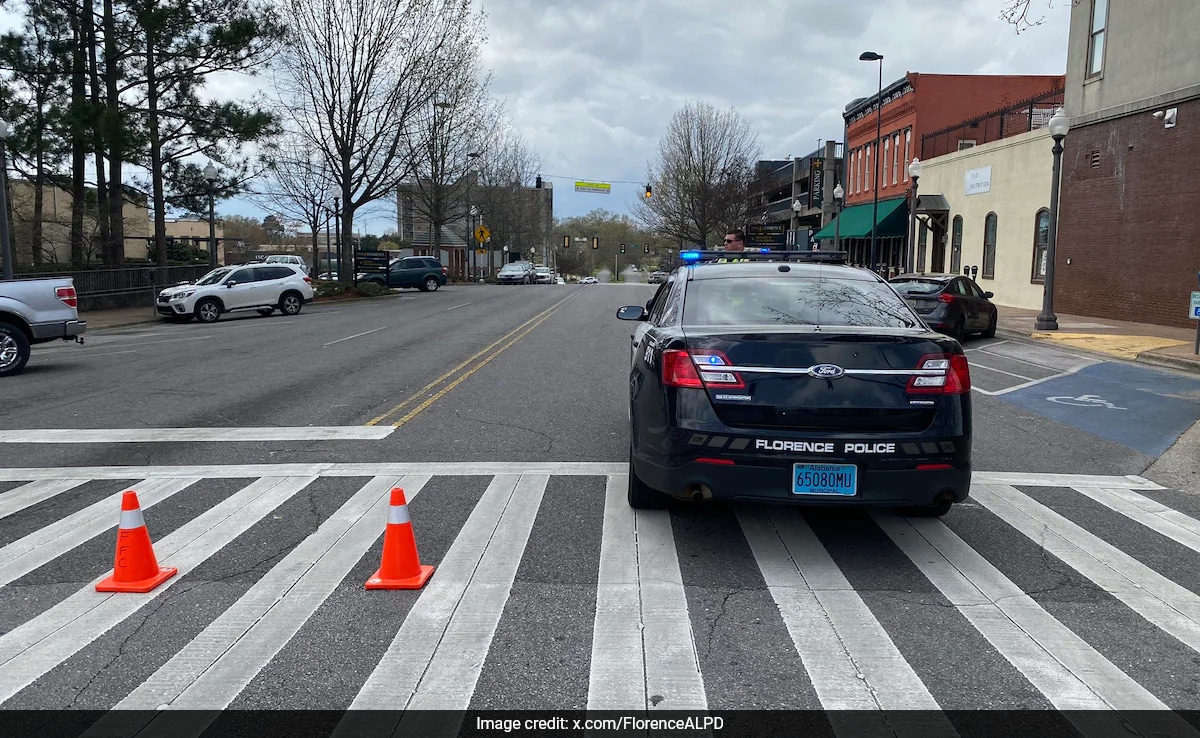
column 135, row 568
column 401, row 567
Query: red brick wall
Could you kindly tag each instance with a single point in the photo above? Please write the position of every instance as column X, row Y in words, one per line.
column 1130, row 226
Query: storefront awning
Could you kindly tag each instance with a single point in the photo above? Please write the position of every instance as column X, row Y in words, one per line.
column 932, row 204
column 856, row 221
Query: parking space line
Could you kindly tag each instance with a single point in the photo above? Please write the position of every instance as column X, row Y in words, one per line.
column 456, row 307
column 1001, row 371
column 1012, row 358
column 1033, row 382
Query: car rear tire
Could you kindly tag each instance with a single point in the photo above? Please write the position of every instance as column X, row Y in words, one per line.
column 640, row 496
column 991, row 329
column 14, row 350
column 208, row 311
column 290, row 303
column 431, row 284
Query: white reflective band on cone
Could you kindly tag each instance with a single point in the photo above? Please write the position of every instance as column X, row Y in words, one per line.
column 132, row 519
column 398, row 514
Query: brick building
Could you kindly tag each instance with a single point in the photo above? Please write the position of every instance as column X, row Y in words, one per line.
column 1128, row 243
column 913, row 107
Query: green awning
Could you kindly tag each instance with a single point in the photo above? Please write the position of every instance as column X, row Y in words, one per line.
column 856, row 221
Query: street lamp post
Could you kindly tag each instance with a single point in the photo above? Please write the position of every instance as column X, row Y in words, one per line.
column 1059, row 125
column 210, row 174
column 337, row 236
column 797, row 206
column 914, row 173
column 5, row 241
column 838, row 193
column 872, row 56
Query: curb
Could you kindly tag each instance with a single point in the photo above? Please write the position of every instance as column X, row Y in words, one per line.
column 1145, row 357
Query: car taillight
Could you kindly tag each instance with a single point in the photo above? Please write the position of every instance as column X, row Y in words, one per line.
column 698, row 369
column 443, row 271
column 67, row 295
column 308, row 279
column 954, row 377
column 946, row 297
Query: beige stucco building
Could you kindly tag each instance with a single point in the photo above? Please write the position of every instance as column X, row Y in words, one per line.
column 996, row 217
column 55, row 246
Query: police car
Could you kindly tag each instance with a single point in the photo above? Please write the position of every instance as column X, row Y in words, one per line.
column 791, row 376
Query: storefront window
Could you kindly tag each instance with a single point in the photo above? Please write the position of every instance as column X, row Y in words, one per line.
column 988, row 270
column 956, row 245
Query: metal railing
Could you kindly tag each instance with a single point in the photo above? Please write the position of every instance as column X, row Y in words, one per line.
column 125, row 280
column 1027, row 115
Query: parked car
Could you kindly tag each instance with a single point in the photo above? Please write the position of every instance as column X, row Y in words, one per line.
column 262, row 287
column 949, row 303
column 657, row 277
column 289, row 259
column 543, row 275
column 425, row 273
column 517, row 272
column 36, row 311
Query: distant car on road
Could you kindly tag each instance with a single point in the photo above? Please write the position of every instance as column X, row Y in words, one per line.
column 588, row 280
column 657, row 277
column 516, row 272
column 423, row 272
column 949, row 303
column 289, row 259
column 543, row 275
column 262, row 287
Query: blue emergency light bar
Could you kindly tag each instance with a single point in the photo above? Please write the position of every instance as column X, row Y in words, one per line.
column 696, row 256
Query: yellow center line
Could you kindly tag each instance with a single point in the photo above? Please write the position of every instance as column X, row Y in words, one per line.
column 419, row 393
column 445, row 390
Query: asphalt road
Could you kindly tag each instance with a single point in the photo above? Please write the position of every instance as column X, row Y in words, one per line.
column 501, row 410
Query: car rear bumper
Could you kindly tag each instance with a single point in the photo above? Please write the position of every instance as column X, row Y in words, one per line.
column 771, row 481
column 59, row 329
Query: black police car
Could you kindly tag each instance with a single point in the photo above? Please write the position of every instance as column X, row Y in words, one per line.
column 790, row 376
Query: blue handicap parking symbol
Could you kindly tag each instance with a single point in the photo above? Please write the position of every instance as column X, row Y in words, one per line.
column 1138, row 407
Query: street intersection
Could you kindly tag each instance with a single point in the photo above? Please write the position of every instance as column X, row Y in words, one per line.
column 263, row 453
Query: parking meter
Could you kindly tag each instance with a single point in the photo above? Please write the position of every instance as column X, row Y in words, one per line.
column 966, row 271
column 974, row 273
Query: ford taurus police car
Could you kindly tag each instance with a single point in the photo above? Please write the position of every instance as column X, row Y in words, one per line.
column 790, row 376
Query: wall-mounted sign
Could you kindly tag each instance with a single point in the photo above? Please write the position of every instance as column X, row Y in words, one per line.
column 816, row 183
column 978, row 181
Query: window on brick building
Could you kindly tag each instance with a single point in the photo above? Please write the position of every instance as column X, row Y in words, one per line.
column 867, row 184
column 1041, row 244
column 907, row 151
column 988, row 270
column 851, row 174
column 896, row 158
column 887, row 160
column 956, row 245
column 1095, row 59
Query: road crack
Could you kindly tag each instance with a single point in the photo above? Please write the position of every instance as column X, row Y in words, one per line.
column 549, row 440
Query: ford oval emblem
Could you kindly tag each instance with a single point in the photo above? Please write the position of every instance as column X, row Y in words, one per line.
column 826, row 371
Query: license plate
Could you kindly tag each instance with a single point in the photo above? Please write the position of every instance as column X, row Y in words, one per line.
column 836, row 480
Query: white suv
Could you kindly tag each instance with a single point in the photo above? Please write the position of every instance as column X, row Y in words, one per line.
column 288, row 259
column 261, row 287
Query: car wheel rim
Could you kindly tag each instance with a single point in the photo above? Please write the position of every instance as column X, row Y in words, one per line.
column 431, row 284
column 8, row 351
column 208, row 311
column 290, row 304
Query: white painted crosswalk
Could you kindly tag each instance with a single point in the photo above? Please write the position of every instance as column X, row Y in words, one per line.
column 494, row 532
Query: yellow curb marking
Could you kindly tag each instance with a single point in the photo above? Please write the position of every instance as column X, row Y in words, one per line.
column 1125, row 347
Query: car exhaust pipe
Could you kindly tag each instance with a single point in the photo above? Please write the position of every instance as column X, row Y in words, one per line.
column 700, row 492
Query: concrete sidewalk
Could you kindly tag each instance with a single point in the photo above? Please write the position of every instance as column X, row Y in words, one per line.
column 1141, row 342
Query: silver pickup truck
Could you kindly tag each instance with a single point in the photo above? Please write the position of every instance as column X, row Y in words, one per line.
column 36, row 311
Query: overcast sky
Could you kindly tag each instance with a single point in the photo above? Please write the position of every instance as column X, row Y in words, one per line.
column 591, row 84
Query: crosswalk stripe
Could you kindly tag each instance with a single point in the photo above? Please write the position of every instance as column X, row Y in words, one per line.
column 29, row 651
column 27, row 495
column 618, row 667
column 46, row 544
column 1171, row 607
column 217, row 664
column 1156, row 516
column 852, row 662
column 1064, row 667
column 398, row 674
column 672, row 664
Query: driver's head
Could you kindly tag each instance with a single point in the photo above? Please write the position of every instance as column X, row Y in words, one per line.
column 735, row 240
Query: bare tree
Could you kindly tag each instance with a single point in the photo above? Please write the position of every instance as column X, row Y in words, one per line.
column 300, row 186
column 359, row 78
column 507, row 204
column 445, row 150
column 1017, row 13
column 701, row 178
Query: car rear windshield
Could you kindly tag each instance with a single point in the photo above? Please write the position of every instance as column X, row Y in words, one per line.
column 919, row 286
column 795, row 301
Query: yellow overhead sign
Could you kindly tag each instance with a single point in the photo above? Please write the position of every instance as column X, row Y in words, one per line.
column 601, row 187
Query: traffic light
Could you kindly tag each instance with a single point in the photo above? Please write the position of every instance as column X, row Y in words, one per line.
column 538, row 184
column 622, row 248
column 647, row 248
column 566, row 242
column 647, row 192
column 595, row 242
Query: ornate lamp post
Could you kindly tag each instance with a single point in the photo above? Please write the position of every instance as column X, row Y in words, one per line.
column 838, row 194
column 914, row 173
column 210, row 174
column 1059, row 125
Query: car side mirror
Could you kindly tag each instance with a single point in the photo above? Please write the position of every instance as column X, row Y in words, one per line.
column 988, row 295
column 632, row 312
column 231, row 283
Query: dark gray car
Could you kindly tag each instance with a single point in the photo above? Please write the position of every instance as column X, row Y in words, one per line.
column 949, row 303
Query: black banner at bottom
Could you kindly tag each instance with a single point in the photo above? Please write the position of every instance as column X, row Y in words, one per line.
column 716, row 723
